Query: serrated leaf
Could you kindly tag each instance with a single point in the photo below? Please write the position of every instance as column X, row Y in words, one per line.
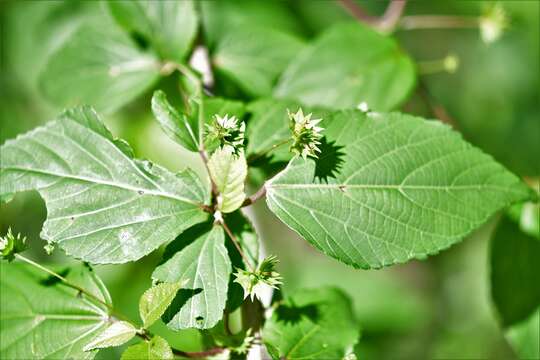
column 116, row 334
column 228, row 170
column 155, row 349
column 156, row 300
column 41, row 318
column 349, row 64
column 253, row 57
column 390, row 188
column 102, row 205
column 101, row 66
column 312, row 324
column 515, row 288
column 169, row 25
column 525, row 337
column 206, row 265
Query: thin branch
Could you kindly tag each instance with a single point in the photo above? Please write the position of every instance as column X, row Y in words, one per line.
column 386, row 22
column 253, row 198
column 437, row 22
column 437, row 109
column 236, row 244
column 254, row 157
column 198, row 354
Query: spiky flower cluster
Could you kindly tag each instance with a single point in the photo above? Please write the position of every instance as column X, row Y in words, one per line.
column 306, row 134
column 11, row 245
column 492, row 23
column 227, row 131
column 255, row 282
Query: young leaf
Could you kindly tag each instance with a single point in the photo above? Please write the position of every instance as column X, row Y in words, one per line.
column 156, row 300
column 103, row 206
column 169, row 26
column 206, row 266
column 347, row 65
column 389, row 188
column 116, row 334
column 228, row 171
column 254, row 57
column 101, row 66
column 155, row 349
column 42, row 318
column 312, row 324
column 525, row 337
column 515, row 288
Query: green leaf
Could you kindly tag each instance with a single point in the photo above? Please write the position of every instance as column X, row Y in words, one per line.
column 103, row 206
column 349, row 64
column 253, row 57
column 169, row 26
column 515, row 288
column 525, row 337
column 155, row 349
column 41, row 318
column 388, row 188
column 228, row 171
column 206, row 266
column 116, row 334
column 156, row 300
column 312, row 324
column 101, row 66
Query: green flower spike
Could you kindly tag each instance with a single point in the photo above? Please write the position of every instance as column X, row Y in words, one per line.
column 493, row 23
column 227, row 130
column 11, row 245
column 254, row 283
column 305, row 134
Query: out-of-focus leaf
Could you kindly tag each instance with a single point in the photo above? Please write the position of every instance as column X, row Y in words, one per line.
column 155, row 349
column 103, row 205
column 228, row 171
column 388, row 194
column 254, row 57
column 206, row 266
column 98, row 66
column 515, row 268
column 525, row 337
column 43, row 319
column 169, row 25
column 311, row 324
column 347, row 65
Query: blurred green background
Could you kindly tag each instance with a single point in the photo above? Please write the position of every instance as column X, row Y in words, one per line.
column 439, row 308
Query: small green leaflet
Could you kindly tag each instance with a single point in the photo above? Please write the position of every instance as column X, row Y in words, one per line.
column 103, row 206
column 253, row 57
column 41, row 318
column 347, row 65
column 312, row 324
column 228, row 171
column 156, row 300
column 388, row 188
column 206, row 265
column 169, row 25
column 155, row 349
column 116, row 334
column 101, row 66
column 525, row 337
column 515, row 268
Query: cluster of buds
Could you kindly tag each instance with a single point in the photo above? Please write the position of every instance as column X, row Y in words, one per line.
column 256, row 282
column 306, row 135
column 492, row 23
column 227, row 131
column 11, row 245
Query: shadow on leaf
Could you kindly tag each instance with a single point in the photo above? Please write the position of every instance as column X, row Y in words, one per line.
column 291, row 314
column 181, row 298
column 330, row 160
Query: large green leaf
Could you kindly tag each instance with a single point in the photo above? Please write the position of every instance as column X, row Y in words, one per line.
column 98, row 66
column 41, row 318
column 389, row 188
column 525, row 337
column 228, row 171
column 253, row 57
column 349, row 64
column 169, row 25
column 312, row 324
column 205, row 267
column 103, row 206
column 514, row 272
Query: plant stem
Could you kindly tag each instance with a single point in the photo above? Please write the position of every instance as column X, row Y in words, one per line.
column 253, row 198
column 236, row 244
column 198, row 354
column 387, row 22
column 266, row 151
column 437, row 22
